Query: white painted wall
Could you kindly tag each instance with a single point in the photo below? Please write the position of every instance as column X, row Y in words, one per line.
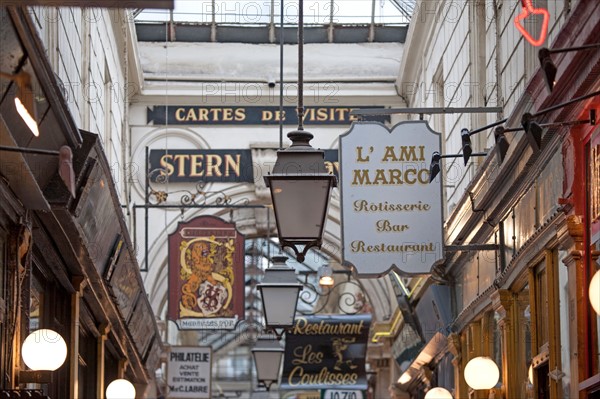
column 88, row 51
column 455, row 54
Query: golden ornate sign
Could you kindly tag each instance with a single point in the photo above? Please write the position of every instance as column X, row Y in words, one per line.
column 206, row 264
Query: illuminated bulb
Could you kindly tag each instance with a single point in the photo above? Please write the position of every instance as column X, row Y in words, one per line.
column 595, row 292
column 404, row 378
column 530, row 374
column 27, row 117
column 438, row 393
column 44, row 350
column 482, row 373
column 325, row 276
column 120, row 389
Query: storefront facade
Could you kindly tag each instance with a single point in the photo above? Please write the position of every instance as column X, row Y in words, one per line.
column 67, row 262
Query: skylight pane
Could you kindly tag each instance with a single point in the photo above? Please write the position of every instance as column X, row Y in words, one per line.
column 261, row 12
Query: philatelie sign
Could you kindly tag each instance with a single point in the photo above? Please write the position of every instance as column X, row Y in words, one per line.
column 391, row 215
column 206, row 275
column 326, row 352
column 189, row 372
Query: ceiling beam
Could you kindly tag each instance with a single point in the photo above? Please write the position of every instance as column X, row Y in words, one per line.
column 169, row 4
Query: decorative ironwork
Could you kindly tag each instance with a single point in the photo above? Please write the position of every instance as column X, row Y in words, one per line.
column 199, row 197
column 346, row 296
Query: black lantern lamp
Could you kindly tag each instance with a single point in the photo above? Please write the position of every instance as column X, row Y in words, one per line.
column 300, row 183
column 549, row 68
column 300, row 190
column 279, row 293
column 267, row 354
column 533, row 131
column 501, row 143
column 467, row 150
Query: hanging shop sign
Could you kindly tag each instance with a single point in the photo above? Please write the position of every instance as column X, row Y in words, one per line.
column 252, row 115
column 391, row 215
column 326, row 352
column 189, row 372
column 206, row 274
column 224, row 166
column 342, row 394
column 230, row 166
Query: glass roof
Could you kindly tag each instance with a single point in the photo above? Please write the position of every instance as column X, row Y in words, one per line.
column 261, row 12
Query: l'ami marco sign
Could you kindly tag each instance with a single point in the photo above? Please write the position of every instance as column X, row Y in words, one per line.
column 391, row 215
column 231, row 165
column 253, row 115
column 326, row 352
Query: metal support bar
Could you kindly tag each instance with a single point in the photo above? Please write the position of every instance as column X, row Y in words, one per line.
column 561, row 105
column 28, row 150
column 539, row 113
column 472, row 247
column 475, row 154
column 428, row 110
column 567, row 49
column 224, row 206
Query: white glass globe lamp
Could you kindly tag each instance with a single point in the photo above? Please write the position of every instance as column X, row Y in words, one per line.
column 595, row 292
column 482, row 373
column 438, row 393
column 120, row 389
column 44, row 350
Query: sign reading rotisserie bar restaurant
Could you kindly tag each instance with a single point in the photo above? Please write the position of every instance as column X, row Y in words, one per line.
column 391, row 215
column 326, row 352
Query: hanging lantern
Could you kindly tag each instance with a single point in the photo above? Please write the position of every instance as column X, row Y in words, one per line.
column 279, row 293
column 267, row 358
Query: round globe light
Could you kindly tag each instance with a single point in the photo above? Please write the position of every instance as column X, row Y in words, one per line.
column 438, row 393
column 482, row 373
column 44, row 350
column 595, row 292
column 120, row 389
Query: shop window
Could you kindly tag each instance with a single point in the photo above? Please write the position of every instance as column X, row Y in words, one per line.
column 541, row 305
column 497, row 343
column 523, row 324
column 36, row 305
column 565, row 350
column 593, row 243
column 87, row 364
column 3, row 308
column 51, row 309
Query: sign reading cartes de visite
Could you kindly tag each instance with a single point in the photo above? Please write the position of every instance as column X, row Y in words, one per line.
column 231, row 166
column 326, row 352
column 206, row 274
column 391, row 215
column 252, row 115
column 189, row 372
